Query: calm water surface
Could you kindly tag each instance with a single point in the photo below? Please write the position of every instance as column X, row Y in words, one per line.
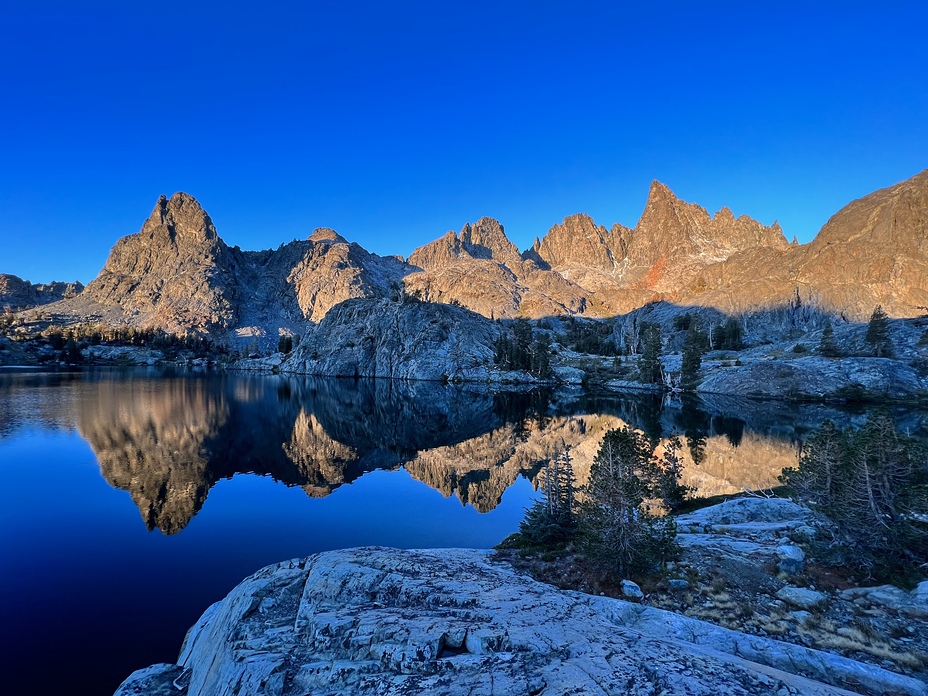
column 131, row 500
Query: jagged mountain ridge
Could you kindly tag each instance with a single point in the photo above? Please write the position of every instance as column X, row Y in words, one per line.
column 19, row 294
column 177, row 274
column 873, row 251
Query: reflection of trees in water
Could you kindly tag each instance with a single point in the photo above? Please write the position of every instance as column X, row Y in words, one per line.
column 167, row 441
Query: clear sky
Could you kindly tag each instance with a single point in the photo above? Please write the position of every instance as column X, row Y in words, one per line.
column 393, row 122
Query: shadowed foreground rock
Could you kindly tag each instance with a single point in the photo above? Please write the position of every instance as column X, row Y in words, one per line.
column 384, row 621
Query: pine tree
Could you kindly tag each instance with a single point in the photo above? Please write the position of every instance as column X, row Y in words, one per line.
column 672, row 492
column 649, row 364
column 873, row 485
column 619, row 533
column 828, row 346
column 877, row 336
column 70, row 353
column 552, row 519
column 694, row 345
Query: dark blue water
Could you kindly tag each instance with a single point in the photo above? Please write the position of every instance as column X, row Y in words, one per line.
column 90, row 593
column 131, row 501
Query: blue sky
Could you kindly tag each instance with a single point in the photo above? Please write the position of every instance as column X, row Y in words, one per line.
column 395, row 122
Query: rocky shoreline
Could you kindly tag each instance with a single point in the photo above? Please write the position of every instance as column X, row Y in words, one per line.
column 457, row 621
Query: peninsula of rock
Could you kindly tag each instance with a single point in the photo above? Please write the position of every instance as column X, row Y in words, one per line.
column 453, row 621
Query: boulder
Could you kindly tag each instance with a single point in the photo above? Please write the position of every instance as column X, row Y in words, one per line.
column 913, row 603
column 631, row 590
column 802, row 598
column 792, row 559
column 158, row 680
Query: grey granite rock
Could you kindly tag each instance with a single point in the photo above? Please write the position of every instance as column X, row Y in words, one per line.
column 920, row 593
column 631, row 590
column 913, row 603
column 398, row 340
column 158, row 680
column 385, row 621
column 816, row 377
column 802, row 598
column 792, row 559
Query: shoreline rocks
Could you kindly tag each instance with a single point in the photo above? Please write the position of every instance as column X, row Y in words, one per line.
column 455, row 621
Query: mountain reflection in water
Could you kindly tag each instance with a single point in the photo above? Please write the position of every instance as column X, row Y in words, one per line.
column 167, row 441
column 86, row 579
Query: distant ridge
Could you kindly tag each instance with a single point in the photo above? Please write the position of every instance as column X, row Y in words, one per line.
column 177, row 274
column 19, row 294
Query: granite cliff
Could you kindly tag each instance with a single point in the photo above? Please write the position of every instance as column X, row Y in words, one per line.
column 398, row 340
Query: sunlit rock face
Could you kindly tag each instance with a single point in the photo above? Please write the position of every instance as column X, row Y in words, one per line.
column 482, row 270
column 873, row 251
column 176, row 274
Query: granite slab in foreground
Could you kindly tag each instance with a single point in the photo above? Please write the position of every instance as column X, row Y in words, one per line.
column 452, row 621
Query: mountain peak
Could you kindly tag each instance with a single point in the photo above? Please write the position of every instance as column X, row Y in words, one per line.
column 327, row 235
column 181, row 216
column 486, row 239
column 659, row 191
column 579, row 241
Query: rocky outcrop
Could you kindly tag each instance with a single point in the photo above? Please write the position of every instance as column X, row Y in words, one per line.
column 398, row 340
column 375, row 620
column 18, row 294
column 817, row 377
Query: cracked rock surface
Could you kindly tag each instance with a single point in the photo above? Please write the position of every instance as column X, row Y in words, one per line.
column 451, row 621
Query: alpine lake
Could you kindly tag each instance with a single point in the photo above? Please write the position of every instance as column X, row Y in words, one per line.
column 133, row 499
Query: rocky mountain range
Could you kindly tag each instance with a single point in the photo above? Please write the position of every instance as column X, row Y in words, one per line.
column 178, row 275
column 19, row 294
